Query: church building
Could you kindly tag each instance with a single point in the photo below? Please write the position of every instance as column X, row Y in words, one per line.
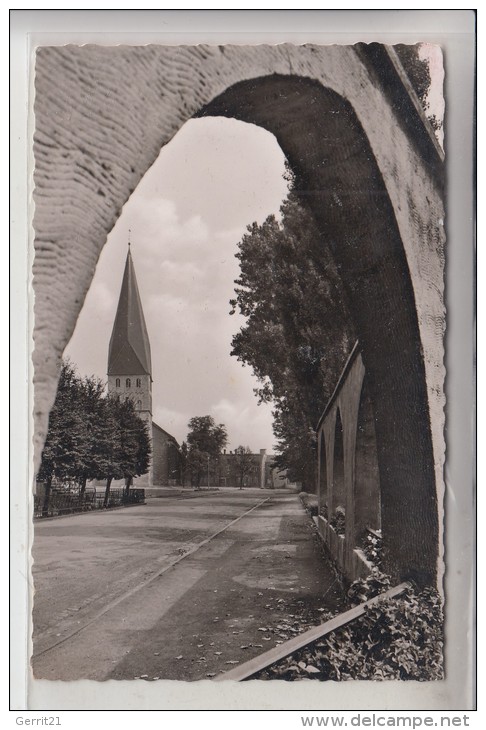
column 130, row 376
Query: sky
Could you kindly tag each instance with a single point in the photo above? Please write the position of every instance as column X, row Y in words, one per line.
column 186, row 217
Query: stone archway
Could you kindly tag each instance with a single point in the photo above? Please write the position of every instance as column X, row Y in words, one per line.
column 372, row 181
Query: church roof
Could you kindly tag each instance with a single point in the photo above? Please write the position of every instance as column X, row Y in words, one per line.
column 166, row 433
column 129, row 350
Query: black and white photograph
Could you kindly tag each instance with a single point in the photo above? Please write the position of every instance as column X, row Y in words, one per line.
column 239, row 364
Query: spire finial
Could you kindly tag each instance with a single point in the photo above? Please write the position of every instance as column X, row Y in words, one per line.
column 129, row 234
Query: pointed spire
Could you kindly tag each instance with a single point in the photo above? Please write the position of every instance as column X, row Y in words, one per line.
column 129, row 350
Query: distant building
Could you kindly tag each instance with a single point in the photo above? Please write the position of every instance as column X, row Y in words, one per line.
column 276, row 478
column 130, row 376
column 245, row 470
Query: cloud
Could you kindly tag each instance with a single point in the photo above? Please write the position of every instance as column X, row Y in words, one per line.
column 180, row 272
column 160, row 234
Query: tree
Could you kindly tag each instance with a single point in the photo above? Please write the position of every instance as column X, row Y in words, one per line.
column 243, row 463
column 110, row 456
column 136, row 443
column 205, row 441
column 198, row 465
column 126, row 448
column 91, row 412
column 91, row 436
column 183, row 457
column 298, row 329
column 418, row 72
column 63, row 446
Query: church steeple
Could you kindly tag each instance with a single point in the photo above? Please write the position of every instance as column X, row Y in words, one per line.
column 129, row 350
column 129, row 362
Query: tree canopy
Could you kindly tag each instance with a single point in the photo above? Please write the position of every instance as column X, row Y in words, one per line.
column 92, row 436
column 298, row 330
column 243, row 463
column 65, row 451
column 205, row 442
column 207, row 436
column 418, row 72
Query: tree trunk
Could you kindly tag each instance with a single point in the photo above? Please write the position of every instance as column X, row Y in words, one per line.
column 47, row 494
column 82, row 484
column 107, row 491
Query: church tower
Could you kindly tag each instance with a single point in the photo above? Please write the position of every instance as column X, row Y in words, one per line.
column 129, row 361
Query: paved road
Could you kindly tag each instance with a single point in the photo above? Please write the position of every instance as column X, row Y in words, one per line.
column 176, row 588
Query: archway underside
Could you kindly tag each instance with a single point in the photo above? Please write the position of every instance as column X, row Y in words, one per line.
column 338, row 177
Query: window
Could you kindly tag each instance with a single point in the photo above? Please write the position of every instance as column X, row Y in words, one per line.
column 139, row 404
column 117, row 383
column 127, row 383
column 139, row 382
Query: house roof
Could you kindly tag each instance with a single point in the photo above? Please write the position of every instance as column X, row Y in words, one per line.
column 129, row 350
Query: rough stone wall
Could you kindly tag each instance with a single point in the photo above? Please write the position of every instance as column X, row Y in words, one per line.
column 346, row 402
column 103, row 113
column 362, row 509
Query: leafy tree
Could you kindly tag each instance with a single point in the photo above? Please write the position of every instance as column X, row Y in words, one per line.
column 110, row 445
column 206, row 435
column 417, row 69
column 205, row 440
column 198, row 463
column 135, row 442
column 418, row 72
column 126, row 450
column 243, row 463
column 91, row 436
column 62, row 451
column 183, row 457
column 91, row 412
column 298, row 330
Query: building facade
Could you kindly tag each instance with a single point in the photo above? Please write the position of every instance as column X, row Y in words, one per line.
column 241, row 468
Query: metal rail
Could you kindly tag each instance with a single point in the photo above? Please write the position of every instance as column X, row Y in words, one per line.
column 65, row 502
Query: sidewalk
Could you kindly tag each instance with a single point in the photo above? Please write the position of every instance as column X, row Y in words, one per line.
column 246, row 589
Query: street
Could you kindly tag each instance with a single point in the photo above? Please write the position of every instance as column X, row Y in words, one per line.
column 177, row 588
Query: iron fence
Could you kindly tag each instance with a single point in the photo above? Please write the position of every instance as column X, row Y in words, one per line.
column 63, row 502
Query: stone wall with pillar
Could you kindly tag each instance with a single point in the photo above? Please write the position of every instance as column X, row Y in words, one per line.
column 345, row 421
